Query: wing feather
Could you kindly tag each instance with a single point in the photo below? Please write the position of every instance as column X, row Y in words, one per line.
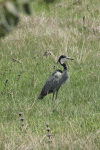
column 51, row 83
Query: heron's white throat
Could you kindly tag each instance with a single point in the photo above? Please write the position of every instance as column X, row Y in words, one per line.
column 63, row 60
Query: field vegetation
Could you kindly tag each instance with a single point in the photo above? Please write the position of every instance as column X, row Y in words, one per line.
column 27, row 58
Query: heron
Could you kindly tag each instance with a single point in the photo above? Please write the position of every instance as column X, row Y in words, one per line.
column 56, row 79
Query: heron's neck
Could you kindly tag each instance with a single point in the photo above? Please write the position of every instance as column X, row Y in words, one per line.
column 65, row 66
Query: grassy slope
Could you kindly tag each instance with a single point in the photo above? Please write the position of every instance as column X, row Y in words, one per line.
column 75, row 117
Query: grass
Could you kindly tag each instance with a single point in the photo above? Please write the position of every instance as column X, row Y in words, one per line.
column 74, row 119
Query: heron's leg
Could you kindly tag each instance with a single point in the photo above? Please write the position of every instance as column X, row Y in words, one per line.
column 56, row 94
column 53, row 95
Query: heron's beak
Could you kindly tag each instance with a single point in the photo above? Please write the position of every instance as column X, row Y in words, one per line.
column 68, row 58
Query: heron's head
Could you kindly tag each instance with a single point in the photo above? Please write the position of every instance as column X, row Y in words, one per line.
column 63, row 59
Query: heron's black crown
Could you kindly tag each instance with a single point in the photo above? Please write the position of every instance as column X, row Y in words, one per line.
column 61, row 57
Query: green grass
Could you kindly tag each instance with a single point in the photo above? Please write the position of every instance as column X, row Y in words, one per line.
column 74, row 119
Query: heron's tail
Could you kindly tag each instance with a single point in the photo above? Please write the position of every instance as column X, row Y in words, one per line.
column 42, row 94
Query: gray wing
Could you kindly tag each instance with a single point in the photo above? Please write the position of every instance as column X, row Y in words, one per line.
column 51, row 83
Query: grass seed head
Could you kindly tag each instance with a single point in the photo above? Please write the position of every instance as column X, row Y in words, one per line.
column 20, row 113
column 21, row 119
column 6, row 80
column 48, row 129
column 49, row 135
column 45, row 53
column 13, row 59
column 47, row 125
